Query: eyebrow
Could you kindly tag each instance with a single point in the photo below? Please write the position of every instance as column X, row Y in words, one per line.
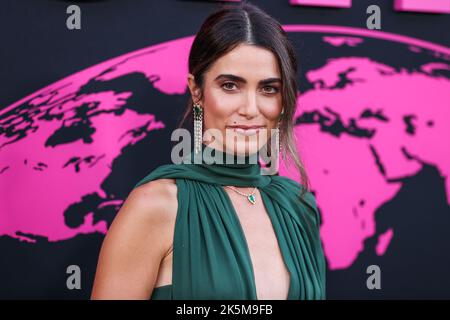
column 240, row 79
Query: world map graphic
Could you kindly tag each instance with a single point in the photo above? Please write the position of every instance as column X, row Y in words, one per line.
column 364, row 125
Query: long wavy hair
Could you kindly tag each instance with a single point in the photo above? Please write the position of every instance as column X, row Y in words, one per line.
column 245, row 23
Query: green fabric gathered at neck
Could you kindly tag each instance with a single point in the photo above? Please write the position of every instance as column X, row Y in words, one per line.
column 211, row 258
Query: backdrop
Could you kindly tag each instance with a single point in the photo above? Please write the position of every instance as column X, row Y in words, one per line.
column 86, row 113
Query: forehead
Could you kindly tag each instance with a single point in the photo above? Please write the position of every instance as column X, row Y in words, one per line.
column 248, row 61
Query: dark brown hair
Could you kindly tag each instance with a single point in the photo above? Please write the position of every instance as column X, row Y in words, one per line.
column 245, row 23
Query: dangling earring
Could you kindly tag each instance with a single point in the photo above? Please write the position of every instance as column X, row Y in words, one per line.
column 198, row 127
column 277, row 136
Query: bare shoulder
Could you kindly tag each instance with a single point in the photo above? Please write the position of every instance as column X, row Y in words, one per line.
column 158, row 194
column 136, row 242
column 153, row 203
column 155, row 208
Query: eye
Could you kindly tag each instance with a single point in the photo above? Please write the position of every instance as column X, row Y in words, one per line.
column 274, row 89
column 227, row 84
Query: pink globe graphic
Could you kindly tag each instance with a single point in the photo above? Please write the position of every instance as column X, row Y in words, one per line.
column 364, row 124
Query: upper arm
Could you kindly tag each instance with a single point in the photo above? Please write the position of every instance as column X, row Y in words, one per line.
column 136, row 242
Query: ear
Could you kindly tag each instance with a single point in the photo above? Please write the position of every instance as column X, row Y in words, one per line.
column 193, row 88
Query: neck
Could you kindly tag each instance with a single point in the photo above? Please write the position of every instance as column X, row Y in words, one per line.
column 211, row 155
column 210, row 165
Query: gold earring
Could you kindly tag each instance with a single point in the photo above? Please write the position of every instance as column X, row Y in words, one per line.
column 277, row 135
column 198, row 127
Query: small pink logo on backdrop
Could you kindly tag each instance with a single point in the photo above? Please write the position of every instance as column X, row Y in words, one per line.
column 323, row 3
column 432, row 6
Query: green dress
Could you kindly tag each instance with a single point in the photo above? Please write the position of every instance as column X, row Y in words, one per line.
column 211, row 258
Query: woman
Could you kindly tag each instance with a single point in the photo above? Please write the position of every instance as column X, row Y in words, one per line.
column 223, row 231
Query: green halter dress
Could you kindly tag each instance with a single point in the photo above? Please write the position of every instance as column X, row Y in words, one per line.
column 211, row 258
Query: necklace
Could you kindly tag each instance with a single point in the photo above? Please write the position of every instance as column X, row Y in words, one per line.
column 250, row 196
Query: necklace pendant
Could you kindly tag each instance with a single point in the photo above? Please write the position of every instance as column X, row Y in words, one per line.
column 251, row 198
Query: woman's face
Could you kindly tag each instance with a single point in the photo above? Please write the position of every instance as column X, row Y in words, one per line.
column 242, row 89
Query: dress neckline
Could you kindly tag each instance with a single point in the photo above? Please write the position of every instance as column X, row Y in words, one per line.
column 222, row 168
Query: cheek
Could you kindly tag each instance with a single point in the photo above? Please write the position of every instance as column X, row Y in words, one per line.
column 219, row 107
column 271, row 111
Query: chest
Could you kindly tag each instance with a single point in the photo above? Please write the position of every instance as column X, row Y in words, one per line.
column 271, row 275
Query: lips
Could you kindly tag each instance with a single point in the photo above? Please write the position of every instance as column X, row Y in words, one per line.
column 247, row 127
column 246, row 130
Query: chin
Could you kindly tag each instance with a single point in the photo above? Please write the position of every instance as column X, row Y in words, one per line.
column 244, row 148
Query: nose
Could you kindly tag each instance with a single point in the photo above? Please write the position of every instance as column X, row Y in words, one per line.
column 249, row 109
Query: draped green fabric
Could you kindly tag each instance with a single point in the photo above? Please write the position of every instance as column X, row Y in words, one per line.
column 211, row 258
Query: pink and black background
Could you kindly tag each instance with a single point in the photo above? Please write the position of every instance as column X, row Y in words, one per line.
column 85, row 114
